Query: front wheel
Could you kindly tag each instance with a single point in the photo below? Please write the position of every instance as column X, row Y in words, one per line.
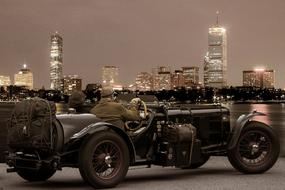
column 257, row 149
column 104, row 159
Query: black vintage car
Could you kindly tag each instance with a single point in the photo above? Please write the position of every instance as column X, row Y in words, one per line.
column 180, row 135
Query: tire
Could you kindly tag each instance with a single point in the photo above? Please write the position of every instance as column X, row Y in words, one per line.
column 104, row 160
column 204, row 159
column 36, row 175
column 257, row 149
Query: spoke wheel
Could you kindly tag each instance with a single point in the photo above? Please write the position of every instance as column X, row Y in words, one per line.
column 104, row 159
column 107, row 159
column 257, row 149
column 254, row 148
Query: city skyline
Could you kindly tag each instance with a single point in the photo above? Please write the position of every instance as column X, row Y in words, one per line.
column 138, row 36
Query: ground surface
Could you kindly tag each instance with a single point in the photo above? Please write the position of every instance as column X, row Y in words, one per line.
column 217, row 173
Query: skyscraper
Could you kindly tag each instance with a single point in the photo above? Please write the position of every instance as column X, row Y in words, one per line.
column 56, row 62
column 215, row 63
column 110, row 76
column 24, row 78
column 262, row 78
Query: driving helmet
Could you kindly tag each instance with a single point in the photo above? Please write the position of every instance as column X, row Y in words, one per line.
column 76, row 98
column 107, row 92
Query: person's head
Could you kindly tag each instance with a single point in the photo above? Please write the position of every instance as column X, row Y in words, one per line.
column 76, row 99
column 107, row 93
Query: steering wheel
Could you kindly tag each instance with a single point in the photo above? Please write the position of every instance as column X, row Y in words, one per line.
column 138, row 124
column 144, row 109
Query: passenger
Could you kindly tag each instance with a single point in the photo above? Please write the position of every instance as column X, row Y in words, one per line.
column 77, row 101
column 115, row 113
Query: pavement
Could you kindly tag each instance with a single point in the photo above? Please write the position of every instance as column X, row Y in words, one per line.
column 216, row 174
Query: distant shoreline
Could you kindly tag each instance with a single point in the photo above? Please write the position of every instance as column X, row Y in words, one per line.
column 258, row 102
column 225, row 102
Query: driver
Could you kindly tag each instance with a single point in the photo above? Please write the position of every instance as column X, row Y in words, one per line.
column 115, row 113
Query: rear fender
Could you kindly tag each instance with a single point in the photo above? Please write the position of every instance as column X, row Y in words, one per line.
column 240, row 124
column 103, row 126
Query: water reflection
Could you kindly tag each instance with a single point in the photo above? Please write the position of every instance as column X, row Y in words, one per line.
column 264, row 108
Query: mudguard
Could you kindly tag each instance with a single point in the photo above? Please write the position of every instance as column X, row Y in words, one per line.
column 103, row 126
column 240, row 124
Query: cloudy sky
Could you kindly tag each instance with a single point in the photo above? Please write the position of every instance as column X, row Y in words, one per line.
column 137, row 35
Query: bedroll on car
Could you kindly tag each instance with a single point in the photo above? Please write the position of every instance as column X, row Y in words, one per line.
column 30, row 125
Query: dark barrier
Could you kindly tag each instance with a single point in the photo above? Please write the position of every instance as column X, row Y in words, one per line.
column 5, row 113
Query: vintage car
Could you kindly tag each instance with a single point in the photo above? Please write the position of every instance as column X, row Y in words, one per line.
column 170, row 134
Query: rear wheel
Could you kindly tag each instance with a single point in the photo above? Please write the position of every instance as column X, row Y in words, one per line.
column 257, row 149
column 104, row 160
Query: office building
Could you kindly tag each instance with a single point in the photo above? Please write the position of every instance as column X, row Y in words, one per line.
column 143, row 81
column 24, row 78
column 5, row 80
column 71, row 83
column 110, row 76
column 178, row 80
column 191, row 76
column 262, row 78
column 161, row 78
column 56, row 61
column 215, row 63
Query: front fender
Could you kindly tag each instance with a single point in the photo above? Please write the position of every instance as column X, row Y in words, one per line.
column 103, row 126
column 240, row 124
column 90, row 129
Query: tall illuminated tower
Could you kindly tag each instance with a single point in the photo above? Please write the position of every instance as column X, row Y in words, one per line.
column 215, row 64
column 56, row 62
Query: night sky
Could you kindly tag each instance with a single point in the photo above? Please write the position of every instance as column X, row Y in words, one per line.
column 137, row 35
